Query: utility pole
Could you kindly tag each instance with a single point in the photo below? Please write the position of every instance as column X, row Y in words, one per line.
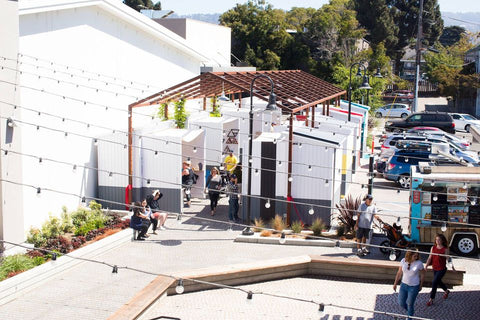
column 418, row 55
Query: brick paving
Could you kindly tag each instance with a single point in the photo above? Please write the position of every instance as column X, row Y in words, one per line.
column 369, row 295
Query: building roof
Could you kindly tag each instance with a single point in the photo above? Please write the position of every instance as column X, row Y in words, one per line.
column 296, row 90
column 119, row 10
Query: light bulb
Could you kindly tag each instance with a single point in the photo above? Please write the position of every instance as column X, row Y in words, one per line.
column 187, row 191
column 40, row 160
column 221, row 167
column 355, row 217
column 435, row 198
column 309, row 168
column 256, row 172
column 450, row 263
column 473, row 202
column 406, row 159
column 250, row 160
column 114, row 270
column 337, row 245
column 444, row 227
column 249, row 296
column 39, row 192
column 282, row 239
column 267, row 204
column 465, row 185
column 299, row 145
column 392, row 255
column 84, row 200
column 155, row 154
column 326, row 183
column 148, row 182
column 290, row 179
column 180, row 288
column 279, row 163
column 110, row 174
column 274, row 141
column 321, row 309
column 398, row 220
column 66, row 134
column 95, row 142
column 311, row 211
column 74, row 168
column 194, row 149
column 326, row 149
column 432, row 183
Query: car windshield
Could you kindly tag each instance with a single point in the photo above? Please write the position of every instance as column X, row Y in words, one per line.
column 469, row 117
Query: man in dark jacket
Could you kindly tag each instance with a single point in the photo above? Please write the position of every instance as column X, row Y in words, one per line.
column 152, row 202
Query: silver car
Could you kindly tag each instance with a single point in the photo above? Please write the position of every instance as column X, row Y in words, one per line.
column 391, row 110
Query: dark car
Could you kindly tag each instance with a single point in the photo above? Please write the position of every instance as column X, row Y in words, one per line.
column 439, row 120
column 398, row 166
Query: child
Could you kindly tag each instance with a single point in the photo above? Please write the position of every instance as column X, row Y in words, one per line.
column 233, row 201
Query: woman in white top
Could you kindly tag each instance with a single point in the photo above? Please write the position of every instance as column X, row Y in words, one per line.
column 412, row 273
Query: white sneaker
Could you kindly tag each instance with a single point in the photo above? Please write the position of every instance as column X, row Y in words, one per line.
column 162, row 228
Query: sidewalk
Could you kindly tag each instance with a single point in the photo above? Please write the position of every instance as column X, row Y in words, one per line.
column 91, row 291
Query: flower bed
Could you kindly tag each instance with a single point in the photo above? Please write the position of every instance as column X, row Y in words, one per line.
column 63, row 235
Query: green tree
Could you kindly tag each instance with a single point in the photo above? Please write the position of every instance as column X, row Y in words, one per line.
column 180, row 114
column 451, row 35
column 258, row 33
column 378, row 19
column 447, row 68
column 143, row 4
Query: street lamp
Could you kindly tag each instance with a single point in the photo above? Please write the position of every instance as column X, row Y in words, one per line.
column 271, row 106
column 365, row 84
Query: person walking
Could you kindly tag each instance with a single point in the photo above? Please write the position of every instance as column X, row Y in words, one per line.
column 231, row 163
column 365, row 214
column 412, row 273
column 188, row 177
column 154, row 207
column 214, row 183
column 439, row 266
column 233, row 206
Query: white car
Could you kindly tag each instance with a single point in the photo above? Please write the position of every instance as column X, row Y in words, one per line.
column 464, row 121
column 393, row 110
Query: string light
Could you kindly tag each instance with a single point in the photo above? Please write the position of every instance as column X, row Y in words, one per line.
column 84, row 200
column 309, row 168
column 392, row 255
column 249, row 295
column 282, row 238
column 279, row 163
column 444, row 227
column 40, row 160
column 95, row 142
column 337, row 245
column 432, row 183
column 321, row 309
column 39, row 192
column 194, row 149
column 267, row 204
column 110, row 174
column 326, row 182
column 354, row 217
column 114, row 269
column 290, row 179
column 311, row 211
column 74, row 168
column 180, row 288
column 435, row 197
column 256, row 172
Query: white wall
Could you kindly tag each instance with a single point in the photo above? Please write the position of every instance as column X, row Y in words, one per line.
column 213, row 39
column 11, row 200
column 95, row 40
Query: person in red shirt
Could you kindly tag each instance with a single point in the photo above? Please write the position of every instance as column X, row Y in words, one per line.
column 439, row 266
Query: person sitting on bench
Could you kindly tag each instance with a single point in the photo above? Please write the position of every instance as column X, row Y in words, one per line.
column 139, row 221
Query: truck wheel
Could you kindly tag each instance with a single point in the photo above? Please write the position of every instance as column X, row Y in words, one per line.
column 404, row 181
column 465, row 244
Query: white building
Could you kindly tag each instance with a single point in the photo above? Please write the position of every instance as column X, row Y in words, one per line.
column 75, row 60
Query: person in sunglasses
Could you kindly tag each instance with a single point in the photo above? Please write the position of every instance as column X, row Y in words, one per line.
column 412, row 273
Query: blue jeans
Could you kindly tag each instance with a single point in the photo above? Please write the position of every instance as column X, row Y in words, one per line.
column 437, row 282
column 407, row 296
column 233, row 209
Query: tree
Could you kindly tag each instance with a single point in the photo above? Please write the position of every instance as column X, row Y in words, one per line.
column 451, row 35
column 258, row 33
column 405, row 14
column 447, row 69
column 378, row 19
column 143, row 4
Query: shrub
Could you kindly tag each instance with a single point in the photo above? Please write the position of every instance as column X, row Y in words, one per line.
column 52, row 228
column 36, row 237
column 317, row 227
column 15, row 264
column 265, row 233
column 347, row 211
column 67, row 222
column 259, row 224
column 341, row 230
column 278, row 223
column 180, row 114
column 297, row 227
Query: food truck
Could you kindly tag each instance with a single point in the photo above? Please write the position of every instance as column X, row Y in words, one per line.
column 444, row 199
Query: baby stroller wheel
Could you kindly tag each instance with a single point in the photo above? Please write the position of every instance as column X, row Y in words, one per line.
column 384, row 247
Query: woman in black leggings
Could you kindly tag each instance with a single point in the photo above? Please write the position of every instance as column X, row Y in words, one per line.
column 213, row 185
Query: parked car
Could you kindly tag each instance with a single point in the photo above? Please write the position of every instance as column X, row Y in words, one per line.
column 464, row 121
column 398, row 166
column 422, row 129
column 431, row 119
column 463, row 144
column 393, row 110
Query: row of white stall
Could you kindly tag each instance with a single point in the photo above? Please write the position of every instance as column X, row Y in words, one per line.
column 325, row 156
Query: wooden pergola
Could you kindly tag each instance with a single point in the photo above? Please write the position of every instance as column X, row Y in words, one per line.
column 297, row 92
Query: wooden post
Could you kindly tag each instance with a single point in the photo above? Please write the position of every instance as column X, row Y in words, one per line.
column 328, row 108
column 166, row 110
column 313, row 116
column 204, row 103
column 306, row 118
column 323, row 108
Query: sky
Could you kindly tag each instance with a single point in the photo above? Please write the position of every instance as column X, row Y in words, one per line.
column 182, row 7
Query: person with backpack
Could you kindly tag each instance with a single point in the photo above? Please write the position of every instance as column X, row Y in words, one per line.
column 188, row 179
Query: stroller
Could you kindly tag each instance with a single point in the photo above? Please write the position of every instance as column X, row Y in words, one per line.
column 395, row 239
